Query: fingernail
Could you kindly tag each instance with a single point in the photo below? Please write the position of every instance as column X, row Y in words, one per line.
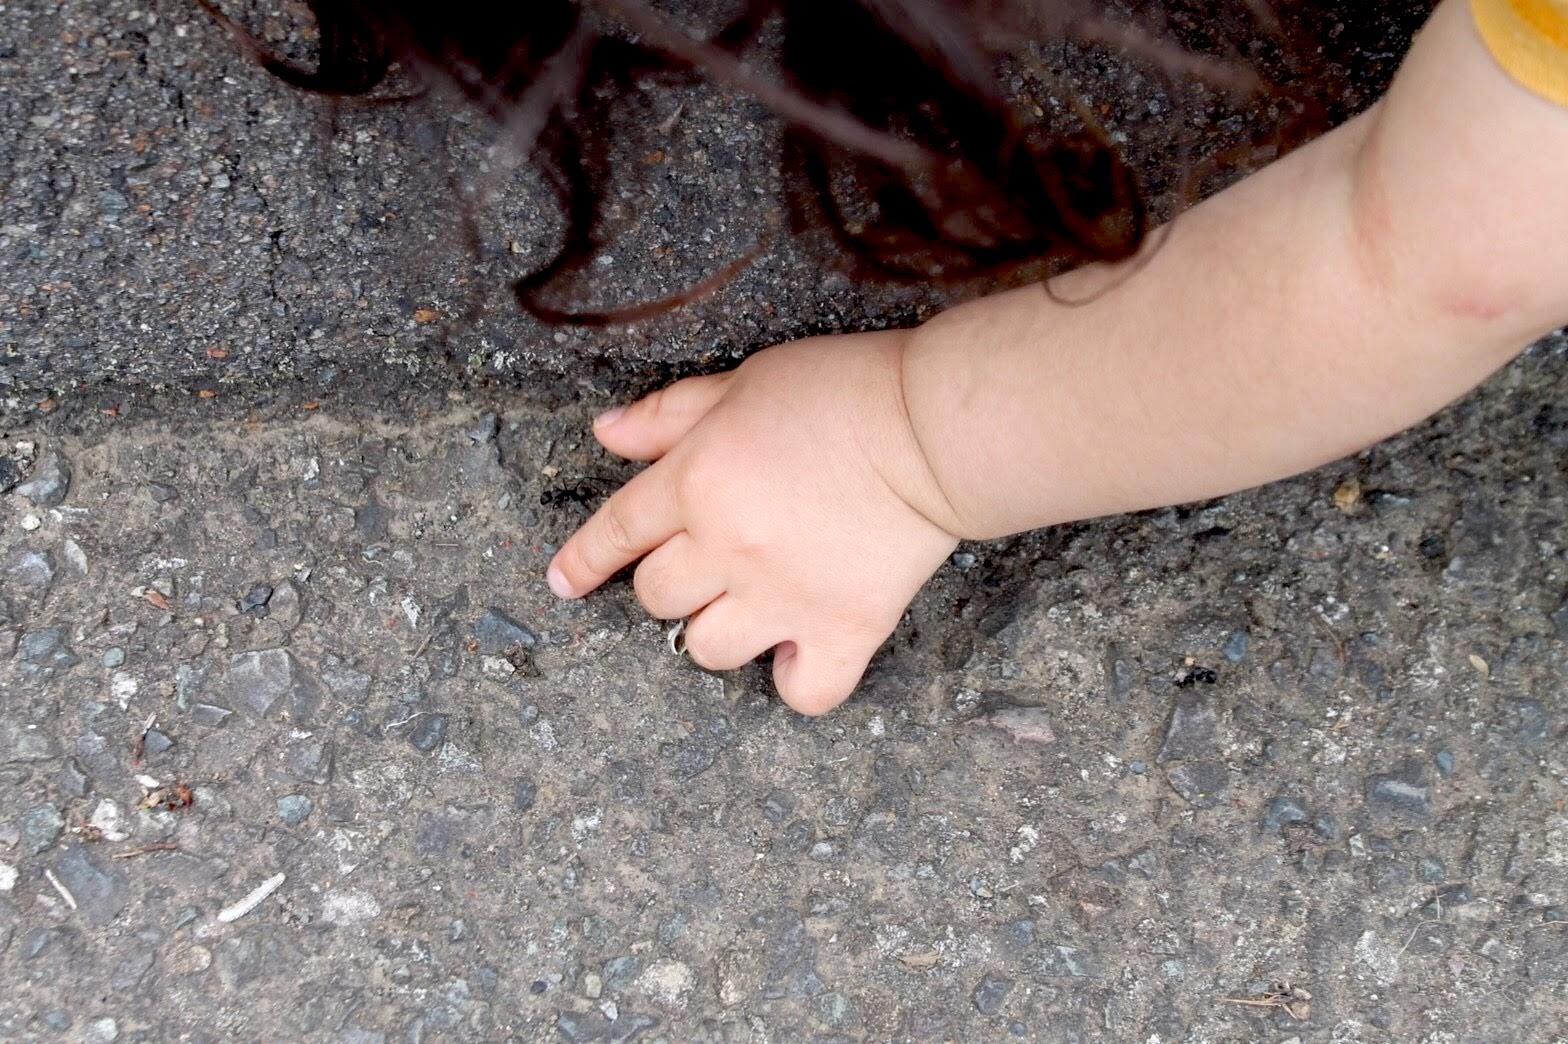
column 557, row 581
column 609, row 417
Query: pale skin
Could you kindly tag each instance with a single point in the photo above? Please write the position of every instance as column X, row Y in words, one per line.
column 1338, row 296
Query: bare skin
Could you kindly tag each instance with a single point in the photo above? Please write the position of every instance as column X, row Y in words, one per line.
column 799, row 502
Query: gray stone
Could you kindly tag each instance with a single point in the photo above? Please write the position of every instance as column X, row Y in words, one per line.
column 162, row 493
column 1025, row 724
column 210, row 715
column 73, row 779
column 428, row 732
column 58, row 1019
column 990, row 993
column 187, row 683
column 835, row 1010
column 582, row 1026
column 778, row 805
column 50, row 482
column 294, row 809
column 98, row 887
column 1445, row 763
column 1058, row 961
column 40, row 941
column 239, row 961
column 371, row 521
column 10, row 474
column 47, row 650
column 30, row 573
column 283, row 608
column 1192, row 731
column 264, row 680
column 630, row 1024
column 256, row 599
column 114, row 657
column 1282, row 810
column 1202, row 784
column 344, row 682
column 18, row 742
column 700, row 749
column 155, row 743
column 485, row 430
column 41, row 827
column 310, row 761
column 1403, row 793
column 496, row 633
column 1235, row 648
column 524, row 795
column 1528, row 722
column 789, row 962
column 1145, row 861
column 132, row 969
column 619, row 973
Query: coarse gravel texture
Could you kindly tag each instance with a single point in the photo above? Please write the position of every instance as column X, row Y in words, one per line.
column 1288, row 765
column 297, row 746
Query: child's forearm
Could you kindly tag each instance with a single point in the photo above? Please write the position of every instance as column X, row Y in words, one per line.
column 1336, row 297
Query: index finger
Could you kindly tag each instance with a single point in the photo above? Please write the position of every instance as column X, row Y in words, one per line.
column 639, row 517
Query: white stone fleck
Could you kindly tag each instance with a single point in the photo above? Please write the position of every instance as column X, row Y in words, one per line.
column 109, row 821
column 122, row 687
column 584, row 826
column 350, row 907
column 668, row 982
column 101, row 1031
column 1380, row 958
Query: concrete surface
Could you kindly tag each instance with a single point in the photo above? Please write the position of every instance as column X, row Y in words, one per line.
column 1283, row 767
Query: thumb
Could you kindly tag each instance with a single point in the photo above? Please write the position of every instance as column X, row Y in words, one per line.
column 651, row 426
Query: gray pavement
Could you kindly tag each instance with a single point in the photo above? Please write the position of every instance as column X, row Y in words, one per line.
column 296, row 745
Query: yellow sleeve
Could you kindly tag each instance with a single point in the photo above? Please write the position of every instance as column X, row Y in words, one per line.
column 1529, row 38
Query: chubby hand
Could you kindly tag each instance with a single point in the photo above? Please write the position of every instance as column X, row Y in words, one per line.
column 789, row 507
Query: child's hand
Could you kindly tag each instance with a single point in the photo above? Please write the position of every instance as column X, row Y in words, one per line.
column 789, row 508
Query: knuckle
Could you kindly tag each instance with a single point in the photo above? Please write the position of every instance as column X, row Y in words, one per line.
column 657, row 404
column 702, row 656
column 653, row 591
column 711, row 649
column 570, row 561
column 615, row 530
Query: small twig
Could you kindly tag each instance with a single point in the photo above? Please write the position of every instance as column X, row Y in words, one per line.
column 1272, row 1002
column 157, row 846
column 235, row 911
column 1339, row 645
column 668, row 123
column 141, row 739
column 65, row 893
column 1418, row 928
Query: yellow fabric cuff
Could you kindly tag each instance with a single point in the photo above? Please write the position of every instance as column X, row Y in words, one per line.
column 1529, row 38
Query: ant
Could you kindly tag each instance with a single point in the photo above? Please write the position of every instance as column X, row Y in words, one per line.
column 585, row 490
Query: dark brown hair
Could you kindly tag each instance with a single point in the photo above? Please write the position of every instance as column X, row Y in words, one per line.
column 900, row 140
